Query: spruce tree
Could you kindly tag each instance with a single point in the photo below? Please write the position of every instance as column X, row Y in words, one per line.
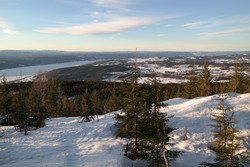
column 87, row 108
column 35, row 104
column 53, row 101
column 190, row 87
column 154, row 129
column 76, row 105
column 5, row 101
column 127, row 122
column 111, row 103
column 96, row 104
column 21, row 114
column 238, row 81
column 226, row 143
column 142, row 123
column 205, row 81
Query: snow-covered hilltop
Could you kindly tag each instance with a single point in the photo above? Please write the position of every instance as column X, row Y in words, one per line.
column 66, row 142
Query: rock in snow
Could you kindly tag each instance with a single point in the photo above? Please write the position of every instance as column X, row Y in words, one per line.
column 65, row 142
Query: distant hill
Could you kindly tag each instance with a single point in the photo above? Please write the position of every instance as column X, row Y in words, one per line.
column 87, row 72
column 20, row 58
column 14, row 59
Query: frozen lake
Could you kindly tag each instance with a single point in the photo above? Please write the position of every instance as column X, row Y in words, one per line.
column 26, row 73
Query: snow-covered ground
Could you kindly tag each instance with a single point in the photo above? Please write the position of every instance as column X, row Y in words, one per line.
column 195, row 115
column 163, row 80
column 177, row 69
column 65, row 142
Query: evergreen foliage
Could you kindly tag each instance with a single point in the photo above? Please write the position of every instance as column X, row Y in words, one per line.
column 155, row 131
column 239, row 81
column 28, row 110
column 5, row 102
column 87, row 108
column 128, row 122
column 53, row 101
column 36, row 107
column 205, row 81
column 112, row 103
column 20, row 113
column 226, row 144
column 142, row 123
column 191, row 86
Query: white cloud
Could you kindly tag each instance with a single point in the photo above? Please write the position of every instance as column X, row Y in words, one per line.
column 224, row 33
column 215, row 22
column 113, row 26
column 198, row 24
column 6, row 28
column 10, row 32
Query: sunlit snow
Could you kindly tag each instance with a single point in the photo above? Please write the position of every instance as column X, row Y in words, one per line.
column 66, row 142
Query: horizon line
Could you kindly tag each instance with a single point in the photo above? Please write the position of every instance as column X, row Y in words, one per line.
column 136, row 50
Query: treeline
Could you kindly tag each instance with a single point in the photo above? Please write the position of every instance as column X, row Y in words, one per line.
column 203, row 84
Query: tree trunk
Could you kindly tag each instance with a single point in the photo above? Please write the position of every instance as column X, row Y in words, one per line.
column 165, row 157
column 25, row 130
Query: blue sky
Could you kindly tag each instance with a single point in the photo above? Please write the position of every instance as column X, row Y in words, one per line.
column 124, row 25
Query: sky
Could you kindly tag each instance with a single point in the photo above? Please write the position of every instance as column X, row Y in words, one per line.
column 125, row 25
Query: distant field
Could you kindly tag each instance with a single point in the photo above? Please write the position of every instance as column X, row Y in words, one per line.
column 173, row 69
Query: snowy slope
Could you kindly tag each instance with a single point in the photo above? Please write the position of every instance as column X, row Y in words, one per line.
column 65, row 142
column 195, row 115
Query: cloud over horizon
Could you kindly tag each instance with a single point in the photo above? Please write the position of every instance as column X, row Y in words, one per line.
column 224, row 33
column 216, row 22
column 108, row 27
column 6, row 27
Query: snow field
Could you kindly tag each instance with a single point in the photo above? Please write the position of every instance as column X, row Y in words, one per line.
column 64, row 142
